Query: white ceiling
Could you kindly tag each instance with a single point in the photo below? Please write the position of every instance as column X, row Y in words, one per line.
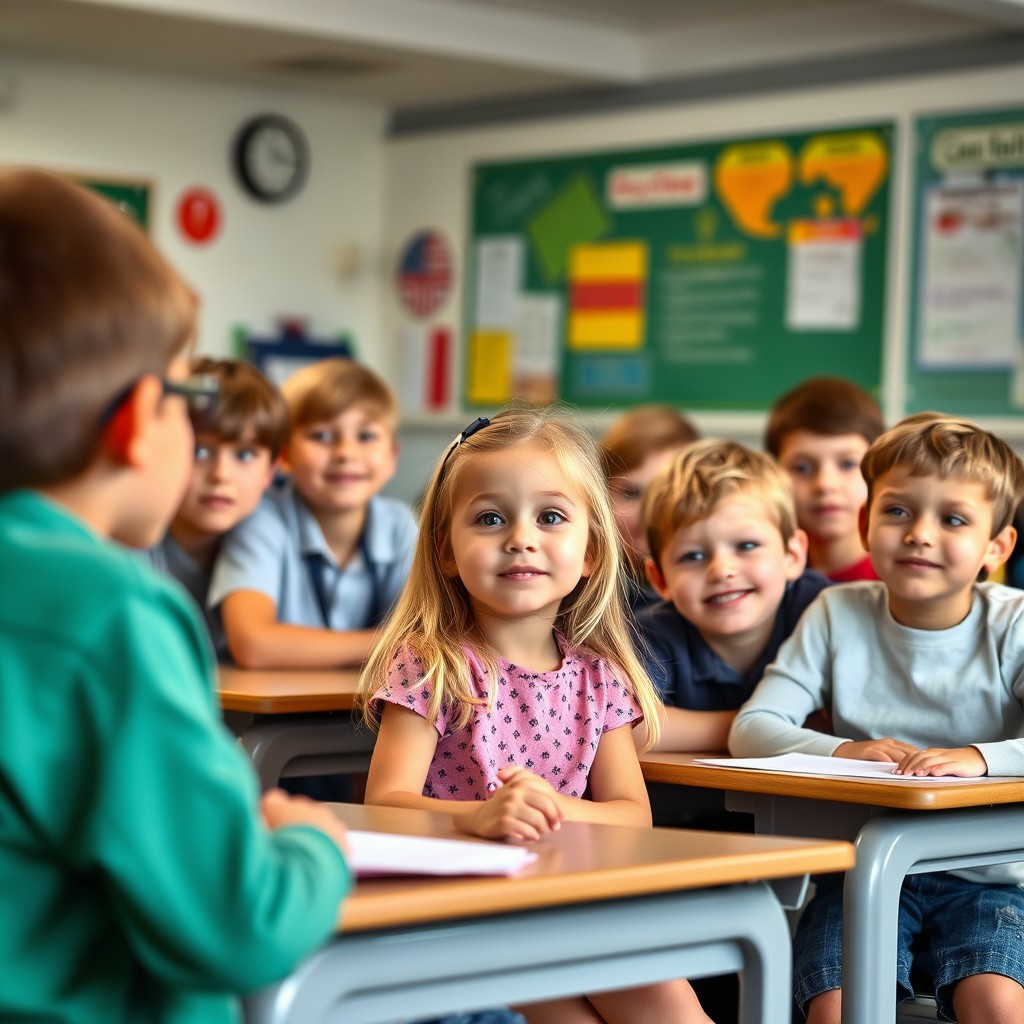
column 413, row 54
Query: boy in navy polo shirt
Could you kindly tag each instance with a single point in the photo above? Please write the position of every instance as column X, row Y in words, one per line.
column 728, row 561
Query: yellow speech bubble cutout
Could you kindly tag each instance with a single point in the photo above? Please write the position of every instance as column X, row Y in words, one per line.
column 750, row 177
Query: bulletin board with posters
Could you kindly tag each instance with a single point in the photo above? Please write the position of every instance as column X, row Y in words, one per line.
column 966, row 352
column 712, row 276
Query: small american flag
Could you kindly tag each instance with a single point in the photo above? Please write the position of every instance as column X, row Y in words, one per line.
column 425, row 274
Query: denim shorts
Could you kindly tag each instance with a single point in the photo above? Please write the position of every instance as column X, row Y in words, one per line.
column 949, row 927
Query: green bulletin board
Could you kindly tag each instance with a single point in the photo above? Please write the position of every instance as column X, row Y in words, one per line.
column 966, row 319
column 710, row 276
column 130, row 196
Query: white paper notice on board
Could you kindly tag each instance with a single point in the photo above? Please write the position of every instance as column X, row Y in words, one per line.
column 499, row 281
column 971, row 275
column 824, row 275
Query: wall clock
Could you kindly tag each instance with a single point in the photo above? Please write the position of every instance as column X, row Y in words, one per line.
column 270, row 155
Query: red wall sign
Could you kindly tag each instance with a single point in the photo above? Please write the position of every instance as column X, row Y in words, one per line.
column 198, row 215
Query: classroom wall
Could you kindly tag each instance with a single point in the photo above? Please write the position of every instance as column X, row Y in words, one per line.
column 368, row 194
column 428, row 176
column 175, row 132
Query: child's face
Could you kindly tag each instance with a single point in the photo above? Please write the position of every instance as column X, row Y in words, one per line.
column 827, row 484
column 338, row 465
column 928, row 539
column 627, row 493
column 519, row 535
column 727, row 573
column 228, row 480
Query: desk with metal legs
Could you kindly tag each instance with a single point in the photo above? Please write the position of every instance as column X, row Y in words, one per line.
column 604, row 907
column 296, row 721
column 900, row 827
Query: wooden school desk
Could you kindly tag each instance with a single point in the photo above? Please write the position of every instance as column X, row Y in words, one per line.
column 301, row 720
column 603, row 907
column 901, row 828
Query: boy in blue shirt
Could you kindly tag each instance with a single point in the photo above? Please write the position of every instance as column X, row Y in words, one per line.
column 923, row 668
column 236, row 450
column 305, row 579
column 728, row 561
column 140, row 882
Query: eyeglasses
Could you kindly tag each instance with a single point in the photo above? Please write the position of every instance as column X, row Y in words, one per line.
column 200, row 392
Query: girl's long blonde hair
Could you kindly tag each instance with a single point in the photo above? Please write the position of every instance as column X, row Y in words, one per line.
column 433, row 615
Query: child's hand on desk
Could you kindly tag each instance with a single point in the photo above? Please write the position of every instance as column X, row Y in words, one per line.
column 884, row 749
column 524, row 807
column 964, row 762
column 280, row 808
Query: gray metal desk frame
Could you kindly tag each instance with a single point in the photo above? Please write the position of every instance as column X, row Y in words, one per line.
column 319, row 743
column 374, row 977
column 890, row 845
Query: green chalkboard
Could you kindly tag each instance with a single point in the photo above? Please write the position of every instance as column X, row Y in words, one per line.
column 966, row 310
column 130, row 196
column 712, row 276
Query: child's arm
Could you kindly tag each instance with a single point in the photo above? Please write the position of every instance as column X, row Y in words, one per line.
column 618, row 793
column 685, row 730
column 794, row 686
column 257, row 640
column 520, row 809
column 280, row 809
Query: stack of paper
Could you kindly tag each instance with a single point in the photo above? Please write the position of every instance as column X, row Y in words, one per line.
column 815, row 764
column 378, row 853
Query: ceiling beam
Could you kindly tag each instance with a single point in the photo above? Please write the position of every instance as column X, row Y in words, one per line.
column 998, row 12
column 441, row 28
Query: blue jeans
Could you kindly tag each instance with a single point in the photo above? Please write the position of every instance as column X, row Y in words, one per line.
column 950, row 927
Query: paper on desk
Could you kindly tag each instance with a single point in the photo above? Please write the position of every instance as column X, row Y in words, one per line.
column 379, row 853
column 838, row 767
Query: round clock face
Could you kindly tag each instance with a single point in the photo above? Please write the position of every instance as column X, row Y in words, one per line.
column 271, row 158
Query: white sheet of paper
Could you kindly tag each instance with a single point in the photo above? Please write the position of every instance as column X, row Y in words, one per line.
column 838, row 767
column 379, row 853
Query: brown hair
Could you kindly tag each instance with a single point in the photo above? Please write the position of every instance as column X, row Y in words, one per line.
column 87, row 307
column 328, row 388
column 641, row 432
column 247, row 402
column 932, row 443
column 705, row 473
column 830, row 406
column 434, row 615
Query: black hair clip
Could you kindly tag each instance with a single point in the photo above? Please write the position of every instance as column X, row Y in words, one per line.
column 478, row 424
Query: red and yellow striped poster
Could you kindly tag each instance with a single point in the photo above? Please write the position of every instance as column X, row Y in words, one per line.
column 607, row 295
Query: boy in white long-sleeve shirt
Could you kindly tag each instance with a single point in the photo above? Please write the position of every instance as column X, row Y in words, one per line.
column 924, row 669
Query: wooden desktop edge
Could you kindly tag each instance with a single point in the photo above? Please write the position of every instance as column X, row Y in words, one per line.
column 680, row 770
column 286, row 691
column 580, row 863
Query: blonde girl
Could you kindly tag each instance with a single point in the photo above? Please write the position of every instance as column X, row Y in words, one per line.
column 505, row 683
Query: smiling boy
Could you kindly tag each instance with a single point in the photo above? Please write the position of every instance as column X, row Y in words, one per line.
column 307, row 577
column 728, row 561
column 924, row 669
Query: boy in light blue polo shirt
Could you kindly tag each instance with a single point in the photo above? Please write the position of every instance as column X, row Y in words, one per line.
column 303, row 582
